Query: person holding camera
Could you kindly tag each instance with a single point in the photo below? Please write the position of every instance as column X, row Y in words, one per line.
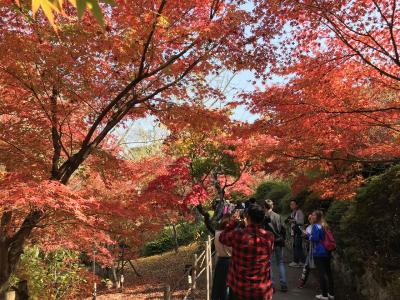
column 249, row 271
column 274, row 223
column 296, row 220
column 309, row 263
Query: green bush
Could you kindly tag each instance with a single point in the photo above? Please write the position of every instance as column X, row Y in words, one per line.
column 314, row 202
column 309, row 201
column 238, row 197
column 335, row 213
column 186, row 234
column 370, row 229
column 55, row 275
column 277, row 191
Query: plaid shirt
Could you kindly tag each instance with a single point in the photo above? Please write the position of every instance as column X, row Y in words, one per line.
column 249, row 271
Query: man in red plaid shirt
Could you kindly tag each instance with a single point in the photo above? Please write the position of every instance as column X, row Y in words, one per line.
column 249, row 274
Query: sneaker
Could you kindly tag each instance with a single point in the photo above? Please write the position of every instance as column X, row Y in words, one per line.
column 321, row 297
column 284, row 289
column 293, row 265
column 331, row 297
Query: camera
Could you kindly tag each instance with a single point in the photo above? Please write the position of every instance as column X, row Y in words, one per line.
column 289, row 219
column 241, row 213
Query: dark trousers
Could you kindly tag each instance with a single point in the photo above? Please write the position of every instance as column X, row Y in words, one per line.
column 323, row 265
column 298, row 254
column 220, row 289
column 232, row 296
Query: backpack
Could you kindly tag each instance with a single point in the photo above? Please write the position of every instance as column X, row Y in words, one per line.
column 329, row 242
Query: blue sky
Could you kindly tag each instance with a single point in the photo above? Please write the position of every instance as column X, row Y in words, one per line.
column 242, row 82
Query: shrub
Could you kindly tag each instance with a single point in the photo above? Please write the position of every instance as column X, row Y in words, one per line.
column 54, row 275
column 370, row 229
column 277, row 191
column 186, row 234
column 335, row 213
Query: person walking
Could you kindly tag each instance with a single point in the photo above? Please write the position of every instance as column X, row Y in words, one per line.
column 274, row 223
column 249, row 271
column 296, row 220
column 224, row 253
column 309, row 263
column 322, row 257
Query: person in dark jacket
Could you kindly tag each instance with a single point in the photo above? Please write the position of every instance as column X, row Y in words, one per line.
column 296, row 220
column 322, row 257
column 275, row 224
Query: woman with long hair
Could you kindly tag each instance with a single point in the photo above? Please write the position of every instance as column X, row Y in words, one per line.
column 322, row 257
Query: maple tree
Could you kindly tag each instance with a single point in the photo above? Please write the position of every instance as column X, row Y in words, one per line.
column 346, row 125
column 362, row 30
column 63, row 94
column 336, row 108
column 213, row 165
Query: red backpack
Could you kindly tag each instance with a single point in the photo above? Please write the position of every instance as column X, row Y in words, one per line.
column 329, row 242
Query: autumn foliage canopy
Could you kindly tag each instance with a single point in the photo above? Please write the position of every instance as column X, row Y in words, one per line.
column 326, row 78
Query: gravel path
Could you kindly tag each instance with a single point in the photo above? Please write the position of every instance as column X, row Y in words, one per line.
column 293, row 275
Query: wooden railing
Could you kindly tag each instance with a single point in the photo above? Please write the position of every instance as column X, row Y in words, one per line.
column 202, row 264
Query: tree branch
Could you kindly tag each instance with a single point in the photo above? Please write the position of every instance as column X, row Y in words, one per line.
column 207, row 219
column 54, row 134
column 150, row 37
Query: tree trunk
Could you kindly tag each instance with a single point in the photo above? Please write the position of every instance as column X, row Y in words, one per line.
column 175, row 236
column 114, row 274
column 198, row 218
column 207, row 219
column 219, row 207
column 12, row 247
column 218, row 187
column 22, row 291
column 4, row 269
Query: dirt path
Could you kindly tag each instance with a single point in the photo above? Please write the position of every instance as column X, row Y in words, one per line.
column 156, row 271
column 169, row 268
column 293, row 275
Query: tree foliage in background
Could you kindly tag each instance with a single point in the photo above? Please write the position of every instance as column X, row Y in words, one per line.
column 279, row 192
column 214, row 154
column 336, row 106
column 186, row 233
column 74, row 87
